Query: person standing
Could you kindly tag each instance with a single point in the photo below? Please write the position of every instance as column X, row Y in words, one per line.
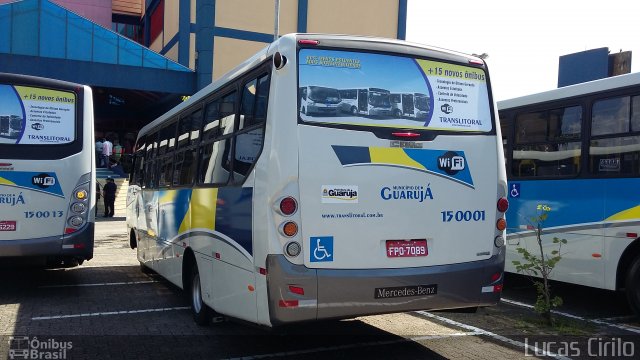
column 109, row 194
column 99, row 153
column 98, row 191
column 117, row 150
column 107, row 148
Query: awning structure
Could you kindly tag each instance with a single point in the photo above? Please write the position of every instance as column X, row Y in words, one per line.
column 40, row 38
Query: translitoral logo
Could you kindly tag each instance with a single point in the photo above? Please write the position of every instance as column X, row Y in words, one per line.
column 446, row 108
column 333, row 194
column 37, row 126
column 451, row 162
column 43, row 180
column 417, row 193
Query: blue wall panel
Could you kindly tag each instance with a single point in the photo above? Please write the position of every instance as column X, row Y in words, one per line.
column 5, row 29
column 79, row 39
column 105, row 46
column 51, row 43
column 24, row 30
column 583, row 66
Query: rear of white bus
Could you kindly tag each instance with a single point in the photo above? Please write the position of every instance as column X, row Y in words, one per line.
column 389, row 214
column 47, row 172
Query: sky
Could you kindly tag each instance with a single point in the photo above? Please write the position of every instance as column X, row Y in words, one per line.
column 524, row 39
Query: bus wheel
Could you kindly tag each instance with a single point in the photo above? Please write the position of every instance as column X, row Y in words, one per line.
column 354, row 110
column 202, row 314
column 133, row 243
column 633, row 286
column 398, row 113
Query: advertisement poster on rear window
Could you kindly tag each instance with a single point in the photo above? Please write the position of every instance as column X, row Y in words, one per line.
column 36, row 116
column 359, row 88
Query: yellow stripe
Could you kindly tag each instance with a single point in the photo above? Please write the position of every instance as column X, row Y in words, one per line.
column 629, row 214
column 395, row 156
column 202, row 209
column 4, row 181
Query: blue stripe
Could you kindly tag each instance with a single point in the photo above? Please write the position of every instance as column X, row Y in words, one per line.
column 402, row 19
column 303, row 8
column 170, row 45
column 243, row 35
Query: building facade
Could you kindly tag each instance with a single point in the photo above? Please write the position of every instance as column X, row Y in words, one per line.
column 142, row 56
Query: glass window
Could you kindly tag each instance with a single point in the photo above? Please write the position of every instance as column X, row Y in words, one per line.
column 214, row 162
column 635, row 113
column 184, row 131
column 216, row 111
column 547, row 143
column 167, row 139
column 610, row 116
column 196, row 125
column 247, row 105
column 615, row 156
column 165, row 172
column 185, row 167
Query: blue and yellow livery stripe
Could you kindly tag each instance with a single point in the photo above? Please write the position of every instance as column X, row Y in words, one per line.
column 629, row 214
column 225, row 212
column 28, row 180
column 425, row 160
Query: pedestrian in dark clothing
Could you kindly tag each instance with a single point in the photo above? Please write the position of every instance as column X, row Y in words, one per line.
column 109, row 193
column 98, row 191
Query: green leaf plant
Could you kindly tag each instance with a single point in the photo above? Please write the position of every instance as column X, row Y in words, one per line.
column 541, row 265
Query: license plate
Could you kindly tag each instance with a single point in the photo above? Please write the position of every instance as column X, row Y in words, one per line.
column 405, row 291
column 7, row 225
column 407, row 248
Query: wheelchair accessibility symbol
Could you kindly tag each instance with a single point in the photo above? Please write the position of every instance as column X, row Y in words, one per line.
column 515, row 190
column 321, row 248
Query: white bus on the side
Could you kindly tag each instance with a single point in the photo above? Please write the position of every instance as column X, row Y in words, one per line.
column 263, row 212
column 47, row 171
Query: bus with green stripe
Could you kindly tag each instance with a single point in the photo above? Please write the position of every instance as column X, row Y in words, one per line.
column 265, row 213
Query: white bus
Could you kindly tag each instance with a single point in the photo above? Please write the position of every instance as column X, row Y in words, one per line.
column 265, row 214
column 367, row 101
column 415, row 106
column 47, row 171
column 577, row 150
column 319, row 100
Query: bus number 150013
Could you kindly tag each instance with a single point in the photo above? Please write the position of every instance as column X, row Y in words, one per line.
column 43, row 214
column 448, row 216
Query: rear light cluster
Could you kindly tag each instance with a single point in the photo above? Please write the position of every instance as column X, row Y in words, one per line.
column 501, row 224
column 78, row 209
column 288, row 206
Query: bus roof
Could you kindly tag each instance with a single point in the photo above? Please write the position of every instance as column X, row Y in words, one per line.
column 331, row 40
column 600, row 85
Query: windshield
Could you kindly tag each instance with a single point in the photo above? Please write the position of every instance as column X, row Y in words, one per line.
column 452, row 97
column 324, row 95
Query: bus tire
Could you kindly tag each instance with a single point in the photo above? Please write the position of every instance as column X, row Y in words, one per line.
column 133, row 242
column 397, row 113
column 202, row 314
column 632, row 286
column 354, row 110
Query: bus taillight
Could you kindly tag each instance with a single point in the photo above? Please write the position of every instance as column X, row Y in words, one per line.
column 288, row 206
column 501, row 224
column 308, row 42
column 503, row 204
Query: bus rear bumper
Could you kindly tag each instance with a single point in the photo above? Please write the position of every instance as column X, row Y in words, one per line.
column 77, row 245
column 341, row 293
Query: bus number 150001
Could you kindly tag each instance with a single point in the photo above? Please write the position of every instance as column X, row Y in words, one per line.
column 448, row 216
column 43, row 214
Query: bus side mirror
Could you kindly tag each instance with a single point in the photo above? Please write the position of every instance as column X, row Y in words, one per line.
column 279, row 61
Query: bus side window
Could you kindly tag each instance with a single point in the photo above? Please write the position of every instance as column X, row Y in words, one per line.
column 216, row 140
column 253, row 112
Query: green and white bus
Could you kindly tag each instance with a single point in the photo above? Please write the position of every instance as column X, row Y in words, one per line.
column 264, row 213
column 47, row 171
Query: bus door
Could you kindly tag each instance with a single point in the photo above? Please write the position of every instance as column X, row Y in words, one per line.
column 407, row 104
column 363, row 104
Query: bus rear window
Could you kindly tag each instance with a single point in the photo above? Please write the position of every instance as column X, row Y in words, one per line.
column 36, row 116
column 367, row 89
